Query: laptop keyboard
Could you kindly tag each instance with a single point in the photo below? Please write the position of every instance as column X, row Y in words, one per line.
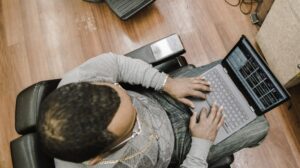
column 235, row 116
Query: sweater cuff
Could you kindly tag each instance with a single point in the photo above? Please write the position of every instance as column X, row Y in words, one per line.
column 161, row 80
column 200, row 148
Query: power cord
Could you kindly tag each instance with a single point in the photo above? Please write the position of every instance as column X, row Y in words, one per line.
column 244, row 4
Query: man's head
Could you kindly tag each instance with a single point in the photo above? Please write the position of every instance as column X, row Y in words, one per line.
column 79, row 121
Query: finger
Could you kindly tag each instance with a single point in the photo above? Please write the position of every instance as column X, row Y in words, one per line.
column 201, row 87
column 197, row 78
column 203, row 114
column 221, row 122
column 200, row 77
column 218, row 115
column 198, row 94
column 198, row 118
column 213, row 111
column 187, row 102
column 193, row 120
column 200, row 81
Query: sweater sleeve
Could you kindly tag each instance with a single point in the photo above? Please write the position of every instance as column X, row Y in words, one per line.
column 113, row 68
column 196, row 158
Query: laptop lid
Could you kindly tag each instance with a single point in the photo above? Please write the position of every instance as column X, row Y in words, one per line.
column 253, row 77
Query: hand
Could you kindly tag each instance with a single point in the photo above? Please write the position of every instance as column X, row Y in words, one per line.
column 208, row 126
column 180, row 88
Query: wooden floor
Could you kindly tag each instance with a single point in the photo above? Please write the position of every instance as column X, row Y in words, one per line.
column 43, row 39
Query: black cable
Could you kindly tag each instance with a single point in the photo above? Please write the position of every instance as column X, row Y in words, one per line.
column 231, row 4
column 244, row 3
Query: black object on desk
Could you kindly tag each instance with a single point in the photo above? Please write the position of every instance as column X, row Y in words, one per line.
column 124, row 9
column 127, row 8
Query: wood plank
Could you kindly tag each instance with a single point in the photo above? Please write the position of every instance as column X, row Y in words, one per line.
column 275, row 151
column 34, row 41
column 13, row 29
column 60, row 35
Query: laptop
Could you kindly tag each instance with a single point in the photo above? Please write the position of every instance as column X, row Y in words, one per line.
column 244, row 85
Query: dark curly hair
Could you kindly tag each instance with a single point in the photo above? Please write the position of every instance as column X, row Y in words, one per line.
column 73, row 121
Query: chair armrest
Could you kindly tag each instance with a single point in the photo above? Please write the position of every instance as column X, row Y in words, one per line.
column 28, row 103
column 160, row 50
column 26, row 153
column 171, row 64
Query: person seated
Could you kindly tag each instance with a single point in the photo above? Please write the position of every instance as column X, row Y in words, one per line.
column 91, row 121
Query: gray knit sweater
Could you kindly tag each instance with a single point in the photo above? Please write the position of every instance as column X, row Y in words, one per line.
column 154, row 146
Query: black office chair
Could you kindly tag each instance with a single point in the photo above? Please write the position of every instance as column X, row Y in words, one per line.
column 25, row 150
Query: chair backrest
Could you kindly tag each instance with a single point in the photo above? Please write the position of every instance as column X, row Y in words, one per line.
column 28, row 104
column 26, row 153
column 25, row 150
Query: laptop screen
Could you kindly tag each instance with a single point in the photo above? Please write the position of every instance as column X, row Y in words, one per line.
column 255, row 77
